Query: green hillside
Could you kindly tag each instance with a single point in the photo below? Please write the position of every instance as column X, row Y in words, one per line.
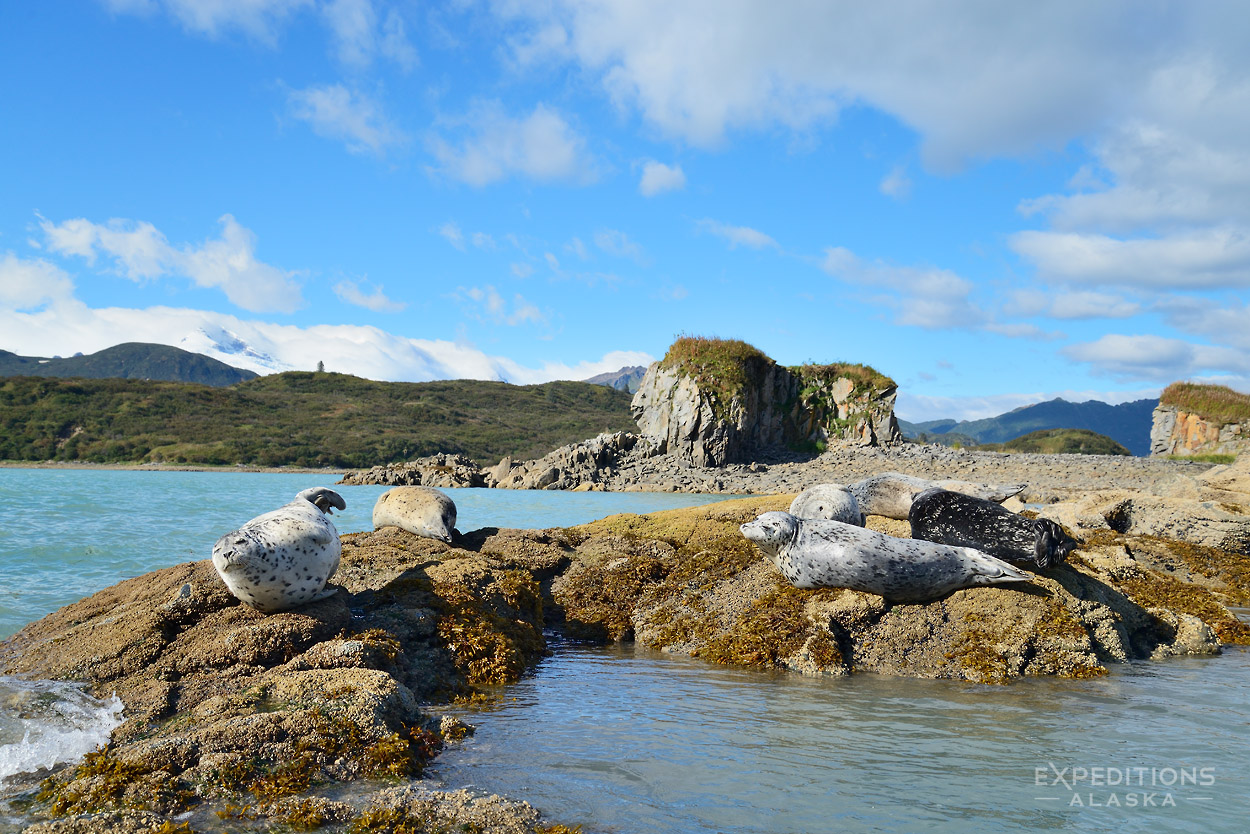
column 132, row 360
column 298, row 419
column 1061, row 442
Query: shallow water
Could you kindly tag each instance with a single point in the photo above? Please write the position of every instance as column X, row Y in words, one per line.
column 631, row 740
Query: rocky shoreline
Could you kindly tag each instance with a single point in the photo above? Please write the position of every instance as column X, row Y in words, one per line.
column 261, row 720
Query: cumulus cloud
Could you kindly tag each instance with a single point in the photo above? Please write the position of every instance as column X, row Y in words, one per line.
column 737, row 235
column 1201, row 259
column 29, row 284
column 1157, row 358
column 896, row 183
column 617, row 243
column 1076, row 304
column 376, row 300
column 931, row 298
column 487, row 305
column 492, row 146
column 336, row 113
column 139, row 251
column 359, row 38
column 658, row 178
column 259, row 19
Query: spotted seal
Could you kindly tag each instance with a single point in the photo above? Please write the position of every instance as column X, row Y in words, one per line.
column 819, row 553
column 832, row 501
column 422, row 511
column 890, row 494
column 946, row 517
column 284, row 558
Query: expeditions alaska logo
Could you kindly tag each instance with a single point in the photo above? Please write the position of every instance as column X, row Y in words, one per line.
column 1124, row 787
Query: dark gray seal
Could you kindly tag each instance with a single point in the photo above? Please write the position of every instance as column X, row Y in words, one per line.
column 284, row 558
column 945, row 517
column 819, row 553
column 891, row 494
column 831, row 501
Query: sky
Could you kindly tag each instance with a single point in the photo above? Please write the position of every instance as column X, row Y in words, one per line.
column 993, row 203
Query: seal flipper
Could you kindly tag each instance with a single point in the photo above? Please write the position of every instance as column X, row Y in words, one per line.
column 989, row 570
column 1052, row 545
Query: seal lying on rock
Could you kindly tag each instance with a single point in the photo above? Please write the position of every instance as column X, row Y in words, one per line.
column 891, row 494
column 946, row 517
column 818, row 553
column 422, row 511
column 283, row 558
column 831, row 501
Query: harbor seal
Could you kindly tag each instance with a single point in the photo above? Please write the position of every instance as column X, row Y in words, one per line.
column 946, row 517
column 819, row 553
column 284, row 558
column 422, row 511
column 891, row 494
column 831, row 501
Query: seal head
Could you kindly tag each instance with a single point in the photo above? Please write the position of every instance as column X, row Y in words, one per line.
column 422, row 511
column 832, row 501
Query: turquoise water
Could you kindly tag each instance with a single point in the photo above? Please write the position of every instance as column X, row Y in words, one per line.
column 625, row 740
column 65, row 534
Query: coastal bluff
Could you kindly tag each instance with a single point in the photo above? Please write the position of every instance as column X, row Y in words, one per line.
column 1196, row 419
column 259, row 718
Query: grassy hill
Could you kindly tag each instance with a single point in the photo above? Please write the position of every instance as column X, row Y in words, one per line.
column 132, row 360
column 1128, row 423
column 1061, row 442
column 1217, row 403
column 298, row 419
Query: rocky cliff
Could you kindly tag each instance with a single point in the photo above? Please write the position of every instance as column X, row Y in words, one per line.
column 1200, row 420
column 711, row 402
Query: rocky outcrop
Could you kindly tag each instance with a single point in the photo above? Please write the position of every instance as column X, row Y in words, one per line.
column 691, row 413
column 591, row 464
column 1177, row 432
column 441, row 470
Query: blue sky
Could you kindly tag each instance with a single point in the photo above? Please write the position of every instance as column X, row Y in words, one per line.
column 995, row 204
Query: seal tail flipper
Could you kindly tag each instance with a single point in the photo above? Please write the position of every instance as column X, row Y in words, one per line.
column 988, row 570
column 1052, row 545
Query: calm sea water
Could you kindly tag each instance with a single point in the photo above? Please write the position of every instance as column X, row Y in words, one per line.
column 625, row 740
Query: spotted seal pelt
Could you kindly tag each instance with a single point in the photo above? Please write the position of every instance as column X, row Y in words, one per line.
column 946, row 517
column 818, row 553
column 831, row 501
column 890, row 494
column 283, row 558
column 423, row 511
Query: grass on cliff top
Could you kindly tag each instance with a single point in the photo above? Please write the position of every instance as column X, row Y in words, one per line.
column 1217, row 403
column 1060, row 442
column 863, row 377
column 722, row 367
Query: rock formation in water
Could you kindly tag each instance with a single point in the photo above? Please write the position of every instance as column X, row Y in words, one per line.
column 712, row 402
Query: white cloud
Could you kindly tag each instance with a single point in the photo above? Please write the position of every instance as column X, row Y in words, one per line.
column 1218, row 257
column 658, row 178
column 896, row 183
column 259, row 19
column 931, row 298
column 481, row 240
column 578, row 248
column 520, row 269
column 1077, row 304
column 452, row 234
column 140, row 252
column 486, row 304
column 29, row 284
column 552, row 261
column 494, row 146
column 617, row 243
column 1157, row 358
column 737, row 235
column 266, row 347
column 358, row 37
column 351, row 292
column 334, row 112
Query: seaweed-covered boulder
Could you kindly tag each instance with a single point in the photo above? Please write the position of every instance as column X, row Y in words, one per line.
column 687, row 581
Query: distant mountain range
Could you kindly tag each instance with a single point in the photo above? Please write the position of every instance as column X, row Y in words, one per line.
column 626, row 379
column 1128, row 423
column 132, row 360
